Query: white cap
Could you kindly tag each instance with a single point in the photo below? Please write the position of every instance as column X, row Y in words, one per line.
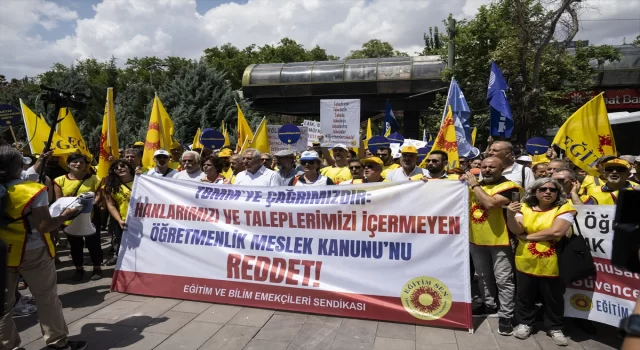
column 309, row 155
column 340, row 145
column 397, row 155
column 525, row 158
column 161, row 152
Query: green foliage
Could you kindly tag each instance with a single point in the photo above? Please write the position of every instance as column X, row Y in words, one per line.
column 375, row 48
column 432, row 42
column 233, row 61
column 636, row 41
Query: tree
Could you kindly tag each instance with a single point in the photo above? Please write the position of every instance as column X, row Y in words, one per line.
column 376, row 48
column 528, row 43
column 432, row 42
column 637, row 40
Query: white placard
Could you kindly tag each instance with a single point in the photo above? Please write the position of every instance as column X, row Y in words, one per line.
column 340, row 122
column 415, row 143
column 276, row 145
column 313, row 131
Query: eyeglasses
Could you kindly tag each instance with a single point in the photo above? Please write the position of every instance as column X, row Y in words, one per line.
column 369, row 166
column 617, row 169
column 307, row 162
column 561, row 181
column 355, row 167
column 547, row 189
column 432, row 160
column 122, row 166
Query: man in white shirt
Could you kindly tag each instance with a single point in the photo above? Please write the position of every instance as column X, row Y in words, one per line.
column 191, row 166
column 408, row 169
column 513, row 171
column 161, row 158
column 255, row 174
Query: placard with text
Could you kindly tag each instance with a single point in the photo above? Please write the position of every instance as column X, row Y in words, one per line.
column 340, row 122
column 384, row 251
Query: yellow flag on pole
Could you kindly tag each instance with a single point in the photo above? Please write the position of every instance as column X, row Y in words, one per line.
column 587, row 136
column 225, row 133
column 159, row 133
column 109, row 149
column 474, row 132
column 369, row 133
column 261, row 139
column 244, row 130
column 38, row 130
column 446, row 141
column 196, row 141
column 69, row 131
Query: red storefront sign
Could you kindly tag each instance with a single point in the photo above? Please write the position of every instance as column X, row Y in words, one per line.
column 615, row 99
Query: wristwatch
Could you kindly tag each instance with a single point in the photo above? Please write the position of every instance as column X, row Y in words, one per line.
column 630, row 326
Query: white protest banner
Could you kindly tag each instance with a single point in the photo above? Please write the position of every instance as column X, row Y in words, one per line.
column 276, row 145
column 611, row 294
column 313, row 131
column 415, row 143
column 358, row 251
column 340, row 122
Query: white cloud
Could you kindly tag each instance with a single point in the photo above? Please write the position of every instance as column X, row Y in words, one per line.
column 128, row 28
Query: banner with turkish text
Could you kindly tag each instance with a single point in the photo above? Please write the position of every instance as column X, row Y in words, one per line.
column 610, row 295
column 384, row 251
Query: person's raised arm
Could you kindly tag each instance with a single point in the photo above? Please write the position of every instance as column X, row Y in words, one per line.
column 515, row 224
column 45, row 223
column 487, row 201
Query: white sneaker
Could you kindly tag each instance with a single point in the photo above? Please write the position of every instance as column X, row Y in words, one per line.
column 522, row 331
column 23, row 309
column 558, row 338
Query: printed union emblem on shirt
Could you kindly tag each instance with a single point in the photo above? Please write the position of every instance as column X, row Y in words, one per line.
column 426, row 298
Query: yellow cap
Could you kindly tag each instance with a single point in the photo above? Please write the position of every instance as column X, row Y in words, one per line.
column 225, row 153
column 409, row 149
column 619, row 162
column 139, row 143
column 373, row 160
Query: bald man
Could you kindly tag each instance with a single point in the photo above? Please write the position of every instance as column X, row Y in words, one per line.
column 513, row 171
column 490, row 246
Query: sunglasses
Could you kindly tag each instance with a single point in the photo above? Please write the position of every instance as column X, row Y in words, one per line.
column 307, row 162
column 369, row 166
column 547, row 189
column 355, row 167
column 617, row 169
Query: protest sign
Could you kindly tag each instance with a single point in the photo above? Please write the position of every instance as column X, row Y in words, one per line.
column 277, row 145
column 313, row 131
column 610, row 295
column 340, row 122
column 415, row 143
column 360, row 251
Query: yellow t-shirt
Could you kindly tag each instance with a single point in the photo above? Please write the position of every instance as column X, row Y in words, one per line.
column 73, row 188
column 174, row 165
column 386, row 169
column 336, row 174
column 227, row 174
column 122, row 199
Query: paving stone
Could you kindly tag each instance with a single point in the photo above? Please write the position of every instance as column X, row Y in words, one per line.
column 395, row 344
column 424, row 346
column 483, row 338
column 169, row 322
column 194, row 307
column 396, row 331
column 252, row 317
column 190, row 337
column 261, row 344
column 430, row 335
column 231, row 337
column 141, row 341
column 106, row 336
column 511, row 342
column 281, row 328
column 116, row 310
column 314, row 336
column 324, row 320
column 340, row 344
column 141, row 316
column 74, row 314
column 218, row 313
column 138, row 298
column 362, row 331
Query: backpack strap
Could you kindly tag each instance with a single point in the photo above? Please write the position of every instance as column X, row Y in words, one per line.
column 295, row 180
column 523, row 177
column 166, row 172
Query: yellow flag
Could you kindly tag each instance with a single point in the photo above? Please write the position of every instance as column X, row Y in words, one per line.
column 38, row 130
column 244, row 130
column 261, row 140
column 225, row 133
column 196, row 141
column 587, row 136
column 245, row 144
column 109, row 149
column 159, row 133
column 369, row 133
column 69, row 131
column 446, row 141
column 474, row 132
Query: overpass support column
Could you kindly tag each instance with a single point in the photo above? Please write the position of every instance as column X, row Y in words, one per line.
column 411, row 125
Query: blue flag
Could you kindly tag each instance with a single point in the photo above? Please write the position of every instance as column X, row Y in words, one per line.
column 390, row 122
column 501, row 120
column 461, row 120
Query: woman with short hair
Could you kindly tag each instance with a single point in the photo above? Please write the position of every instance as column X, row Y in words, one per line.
column 540, row 221
column 212, row 167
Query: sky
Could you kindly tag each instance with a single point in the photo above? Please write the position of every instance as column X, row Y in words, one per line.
column 35, row 34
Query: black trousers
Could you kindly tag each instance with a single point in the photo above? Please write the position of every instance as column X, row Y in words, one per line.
column 93, row 245
column 552, row 291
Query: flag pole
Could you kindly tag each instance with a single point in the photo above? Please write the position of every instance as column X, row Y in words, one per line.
column 242, row 147
column 13, row 134
column 444, row 113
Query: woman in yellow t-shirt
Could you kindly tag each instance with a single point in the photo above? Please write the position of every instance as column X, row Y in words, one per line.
column 75, row 183
column 540, row 221
column 117, row 192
